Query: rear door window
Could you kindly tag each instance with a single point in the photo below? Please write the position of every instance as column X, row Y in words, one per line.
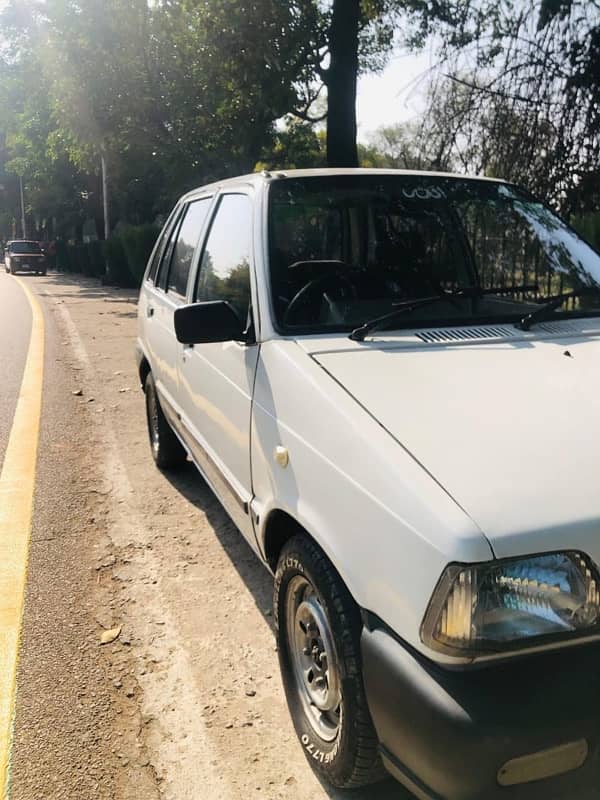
column 185, row 245
column 166, row 251
column 163, row 239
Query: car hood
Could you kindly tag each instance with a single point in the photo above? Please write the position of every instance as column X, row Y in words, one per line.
column 511, row 429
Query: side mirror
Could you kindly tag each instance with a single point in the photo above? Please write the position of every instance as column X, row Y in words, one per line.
column 211, row 321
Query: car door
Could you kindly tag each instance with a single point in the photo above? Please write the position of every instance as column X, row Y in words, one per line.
column 216, row 379
column 165, row 292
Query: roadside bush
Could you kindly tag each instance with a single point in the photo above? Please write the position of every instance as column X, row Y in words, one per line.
column 138, row 241
column 62, row 256
column 118, row 271
column 95, row 259
column 126, row 253
column 86, row 259
column 78, row 259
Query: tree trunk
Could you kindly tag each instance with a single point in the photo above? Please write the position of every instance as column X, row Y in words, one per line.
column 341, row 84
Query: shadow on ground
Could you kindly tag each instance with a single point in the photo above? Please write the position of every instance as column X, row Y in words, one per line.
column 89, row 288
column 259, row 582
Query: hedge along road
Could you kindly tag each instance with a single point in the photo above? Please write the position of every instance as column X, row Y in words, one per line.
column 17, row 483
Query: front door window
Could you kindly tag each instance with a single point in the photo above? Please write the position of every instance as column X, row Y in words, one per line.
column 225, row 267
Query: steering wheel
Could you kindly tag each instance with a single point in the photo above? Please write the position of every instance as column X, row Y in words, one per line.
column 316, row 286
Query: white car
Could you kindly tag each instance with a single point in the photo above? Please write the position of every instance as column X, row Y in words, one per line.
column 392, row 382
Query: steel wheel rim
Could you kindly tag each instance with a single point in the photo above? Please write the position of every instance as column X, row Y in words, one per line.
column 314, row 660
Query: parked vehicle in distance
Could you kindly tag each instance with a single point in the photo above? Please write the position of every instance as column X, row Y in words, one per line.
column 391, row 381
column 24, row 255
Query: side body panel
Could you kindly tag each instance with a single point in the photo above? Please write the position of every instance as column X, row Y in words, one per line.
column 155, row 313
column 215, row 393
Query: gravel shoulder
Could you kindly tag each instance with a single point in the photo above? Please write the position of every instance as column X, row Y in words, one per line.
column 187, row 702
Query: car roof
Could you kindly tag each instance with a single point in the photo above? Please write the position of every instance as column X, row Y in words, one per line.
column 266, row 176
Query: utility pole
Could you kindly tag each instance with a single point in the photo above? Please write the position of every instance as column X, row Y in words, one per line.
column 23, row 225
column 105, row 209
column 105, row 197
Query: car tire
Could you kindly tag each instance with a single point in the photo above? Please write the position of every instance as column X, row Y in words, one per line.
column 318, row 635
column 167, row 450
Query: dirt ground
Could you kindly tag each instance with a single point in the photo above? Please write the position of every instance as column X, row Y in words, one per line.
column 193, row 676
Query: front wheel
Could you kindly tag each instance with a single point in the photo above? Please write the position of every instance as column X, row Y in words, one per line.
column 167, row 450
column 318, row 637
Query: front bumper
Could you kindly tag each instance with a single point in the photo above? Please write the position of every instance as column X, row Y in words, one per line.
column 447, row 734
column 28, row 266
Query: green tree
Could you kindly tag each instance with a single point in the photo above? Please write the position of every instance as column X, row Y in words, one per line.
column 398, row 146
column 350, row 37
column 523, row 99
column 170, row 94
column 224, row 72
column 296, row 146
column 52, row 188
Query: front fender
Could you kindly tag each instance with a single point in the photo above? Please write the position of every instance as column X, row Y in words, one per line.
column 388, row 528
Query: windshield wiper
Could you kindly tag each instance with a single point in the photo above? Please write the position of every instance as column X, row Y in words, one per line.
column 544, row 312
column 359, row 334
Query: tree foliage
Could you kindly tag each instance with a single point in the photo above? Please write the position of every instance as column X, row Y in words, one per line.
column 400, row 147
column 172, row 94
column 297, row 145
column 520, row 98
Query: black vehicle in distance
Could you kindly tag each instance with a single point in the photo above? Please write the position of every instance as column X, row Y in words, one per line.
column 24, row 255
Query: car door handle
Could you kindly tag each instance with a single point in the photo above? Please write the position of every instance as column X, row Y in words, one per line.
column 149, row 311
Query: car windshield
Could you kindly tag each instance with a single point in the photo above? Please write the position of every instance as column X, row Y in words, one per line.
column 347, row 249
column 24, row 248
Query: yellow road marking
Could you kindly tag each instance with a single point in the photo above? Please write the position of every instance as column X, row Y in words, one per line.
column 17, row 482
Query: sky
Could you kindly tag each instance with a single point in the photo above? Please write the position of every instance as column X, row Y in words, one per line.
column 397, row 95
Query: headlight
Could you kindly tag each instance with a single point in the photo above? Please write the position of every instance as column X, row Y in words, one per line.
column 505, row 605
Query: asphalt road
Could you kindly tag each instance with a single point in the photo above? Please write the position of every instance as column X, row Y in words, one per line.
column 15, row 325
column 70, row 723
